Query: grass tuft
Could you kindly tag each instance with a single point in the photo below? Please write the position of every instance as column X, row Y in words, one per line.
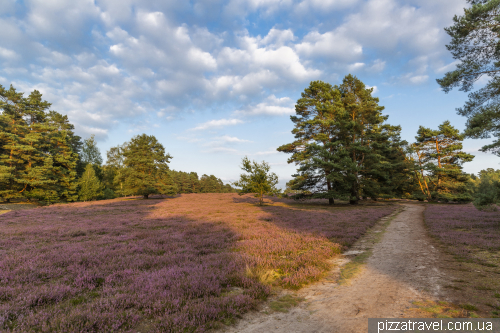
column 284, row 303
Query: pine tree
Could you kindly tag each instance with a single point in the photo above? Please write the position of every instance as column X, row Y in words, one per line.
column 37, row 157
column 342, row 146
column 146, row 167
column 475, row 44
column 316, row 149
column 90, row 186
column 258, row 180
column 440, row 159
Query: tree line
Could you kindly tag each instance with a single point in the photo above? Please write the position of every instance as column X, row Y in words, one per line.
column 42, row 159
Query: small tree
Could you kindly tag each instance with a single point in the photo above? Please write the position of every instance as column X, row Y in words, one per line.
column 90, row 186
column 487, row 189
column 258, row 180
column 146, row 167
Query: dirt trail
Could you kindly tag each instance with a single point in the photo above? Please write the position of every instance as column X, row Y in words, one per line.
column 402, row 269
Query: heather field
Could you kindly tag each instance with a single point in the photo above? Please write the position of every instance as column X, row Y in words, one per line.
column 471, row 233
column 181, row 264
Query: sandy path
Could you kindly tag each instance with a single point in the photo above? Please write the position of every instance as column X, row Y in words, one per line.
column 402, row 269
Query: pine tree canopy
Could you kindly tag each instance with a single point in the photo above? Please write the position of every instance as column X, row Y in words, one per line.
column 476, row 45
column 258, row 179
column 440, row 158
column 146, row 169
column 38, row 149
column 342, row 147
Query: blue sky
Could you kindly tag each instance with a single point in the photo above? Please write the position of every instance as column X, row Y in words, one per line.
column 215, row 80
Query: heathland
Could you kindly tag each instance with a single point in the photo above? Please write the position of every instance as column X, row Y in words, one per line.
column 184, row 263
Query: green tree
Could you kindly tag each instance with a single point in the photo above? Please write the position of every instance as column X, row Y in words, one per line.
column 487, row 189
column 146, row 169
column 258, row 180
column 90, row 152
column 342, row 147
column 38, row 149
column 475, row 44
column 440, row 158
column 113, row 171
column 90, row 186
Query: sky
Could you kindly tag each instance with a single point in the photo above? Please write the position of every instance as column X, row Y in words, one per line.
column 217, row 80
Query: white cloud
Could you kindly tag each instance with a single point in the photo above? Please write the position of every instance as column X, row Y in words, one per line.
column 267, row 152
column 323, row 5
column 356, row 66
column 271, row 106
column 378, row 66
column 217, row 124
column 333, row 45
column 6, row 53
column 227, row 138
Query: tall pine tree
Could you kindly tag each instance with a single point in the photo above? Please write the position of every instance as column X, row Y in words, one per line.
column 342, row 146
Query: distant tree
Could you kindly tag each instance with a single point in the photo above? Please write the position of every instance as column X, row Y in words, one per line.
column 146, row 169
column 38, row 149
column 90, row 153
column 258, row 180
column 440, row 158
column 487, row 189
column 475, row 44
column 114, row 169
column 90, row 186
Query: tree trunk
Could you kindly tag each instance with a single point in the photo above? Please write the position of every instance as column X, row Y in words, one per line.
column 329, row 186
column 354, row 194
column 146, row 196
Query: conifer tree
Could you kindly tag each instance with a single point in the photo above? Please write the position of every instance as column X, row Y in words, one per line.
column 146, row 167
column 440, row 159
column 258, row 180
column 90, row 186
column 37, row 149
column 475, row 44
column 342, row 147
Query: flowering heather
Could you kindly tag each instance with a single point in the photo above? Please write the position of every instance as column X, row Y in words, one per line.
column 174, row 265
column 465, row 228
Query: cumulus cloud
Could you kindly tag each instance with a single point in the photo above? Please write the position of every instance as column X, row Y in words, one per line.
column 271, row 106
column 333, row 45
column 112, row 62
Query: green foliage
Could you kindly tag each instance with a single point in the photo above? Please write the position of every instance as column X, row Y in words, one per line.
column 487, row 189
column 113, row 171
column 90, row 152
column 90, row 186
column 145, row 168
column 440, row 158
column 189, row 183
column 342, row 147
column 475, row 43
column 38, row 149
column 258, row 180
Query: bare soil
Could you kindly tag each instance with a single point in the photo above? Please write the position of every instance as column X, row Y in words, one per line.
column 403, row 270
